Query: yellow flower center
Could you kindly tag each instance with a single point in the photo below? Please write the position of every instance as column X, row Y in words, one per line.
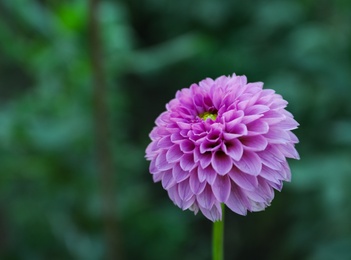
column 204, row 116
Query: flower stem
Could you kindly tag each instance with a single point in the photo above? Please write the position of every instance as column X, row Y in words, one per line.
column 217, row 238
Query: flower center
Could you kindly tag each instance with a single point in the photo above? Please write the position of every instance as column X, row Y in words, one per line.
column 204, row 116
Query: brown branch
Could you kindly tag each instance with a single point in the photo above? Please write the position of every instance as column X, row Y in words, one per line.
column 104, row 155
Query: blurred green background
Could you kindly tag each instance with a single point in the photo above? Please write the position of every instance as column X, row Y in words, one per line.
column 51, row 192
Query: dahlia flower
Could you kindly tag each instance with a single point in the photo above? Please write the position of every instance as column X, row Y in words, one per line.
column 223, row 141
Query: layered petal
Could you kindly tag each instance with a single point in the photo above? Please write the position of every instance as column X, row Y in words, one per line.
column 223, row 141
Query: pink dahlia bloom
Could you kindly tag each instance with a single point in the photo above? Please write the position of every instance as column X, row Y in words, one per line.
column 223, row 141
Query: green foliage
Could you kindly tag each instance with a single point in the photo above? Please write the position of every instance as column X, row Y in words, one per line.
column 50, row 191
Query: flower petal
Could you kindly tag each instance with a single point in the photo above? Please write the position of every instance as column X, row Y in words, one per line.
column 254, row 143
column 195, row 185
column 238, row 129
column 157, row 177
column 273, row 117
column 174, row 195
column 257, row 127
column 233, row 148
column 152, row 167
column 209, row 146
column 186, row 204
column 204, row 159
column 256, row 110
column 179, row 174
column 221, row 188
column 184, row 190
column 244, row 180
column 174, row 153
column 249, row 163
column 162, row 163
column 213, row 214
column 168, row 180
column 208, row 174
column 186, row 146
column 221, row 162
column 277, row 136
column 187, row 162
column 270, row 174
column 237, row 201
column 206, row 198
column 165, row 142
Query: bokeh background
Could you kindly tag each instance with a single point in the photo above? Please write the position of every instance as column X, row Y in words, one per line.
column 58, row 201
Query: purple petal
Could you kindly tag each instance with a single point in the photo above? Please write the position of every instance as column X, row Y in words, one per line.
column 209, row 146
column 186, row 146
column 274, row 153
column 249, row 163
column 187, row 101
column 208, row 174
column 198, row 100
column 254, row 143
column 233, row 148
column 278, row 104
column 195, row 185
column 179, row 174
column 152, row 168
column 206, row 198
column 273, row 117
column 186, row 204
column 176, row 137
column 214, row 133
column 221, row 188
column 238, row 129
column 263, row 194
column 174, row 195
column 277, row 136
column 194, row 207
column 256, row 94
column 256, row 85
column 286, row 171
column 217, row 98
column 244, row 180
column 221, row 163
column 293, row 137
column 174, row 154
column 257, row 127
column 265, row 188
column 151, row 150
column 270, row 174
column 230, row 136
column 256, row 110
column 250, row 118
column 157, row 177
column 205, row 159
column 187, row 162
column 213, row 214
column 237, row 201
column 184, row 190
column 269, row 161
column 288, row 124
column 162, row 163
column 233, row 116
column 243, row 104
column 184, row 125
column 257, row 197
column 276, row 186
column 165, row 142
column 168, row 180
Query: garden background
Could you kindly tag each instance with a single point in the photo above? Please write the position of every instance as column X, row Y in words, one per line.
column 77, row 103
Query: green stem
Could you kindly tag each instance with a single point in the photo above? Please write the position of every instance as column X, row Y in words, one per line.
column 217, row 238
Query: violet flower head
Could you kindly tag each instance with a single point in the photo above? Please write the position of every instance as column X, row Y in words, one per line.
column 223, row 141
